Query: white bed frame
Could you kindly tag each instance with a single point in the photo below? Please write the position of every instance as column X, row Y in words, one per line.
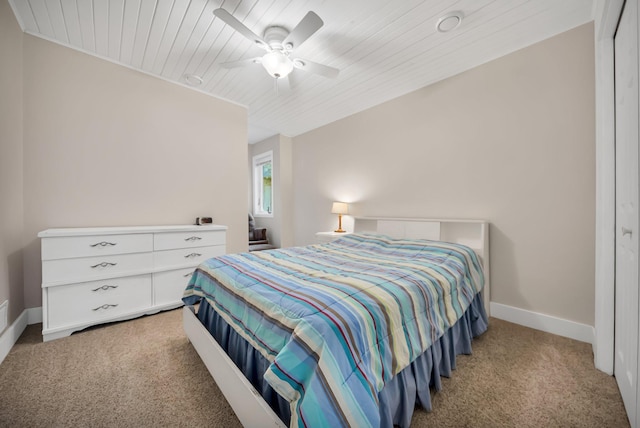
column 247, row 403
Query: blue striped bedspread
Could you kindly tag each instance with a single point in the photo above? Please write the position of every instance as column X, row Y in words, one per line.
column 338, row 320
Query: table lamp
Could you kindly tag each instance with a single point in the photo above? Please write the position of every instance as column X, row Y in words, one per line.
column 339, row 208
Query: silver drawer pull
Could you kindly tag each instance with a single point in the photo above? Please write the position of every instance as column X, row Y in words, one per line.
column 105, row 306
column 103, row 264
column 188, row 256
column 105, row 287
column 193, row 238
column 186, row 275
column 104, row 244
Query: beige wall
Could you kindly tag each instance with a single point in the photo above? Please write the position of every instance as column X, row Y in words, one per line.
column 512, row 142
column 285, row 188
column 108, row 146
column 11, row 202
column 279, row 227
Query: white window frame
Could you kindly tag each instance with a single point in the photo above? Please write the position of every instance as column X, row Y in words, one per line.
column 258, row 161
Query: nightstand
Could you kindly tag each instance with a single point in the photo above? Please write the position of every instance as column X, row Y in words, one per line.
column 323, row 237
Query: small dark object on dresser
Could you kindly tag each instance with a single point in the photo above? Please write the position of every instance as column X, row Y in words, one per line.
column 203, row 220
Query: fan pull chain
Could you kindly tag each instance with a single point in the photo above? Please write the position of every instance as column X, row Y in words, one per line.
column 276, row 83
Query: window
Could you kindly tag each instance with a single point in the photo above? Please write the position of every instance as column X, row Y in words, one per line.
column 263, row 184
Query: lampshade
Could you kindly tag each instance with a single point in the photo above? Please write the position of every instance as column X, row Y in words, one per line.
column 277, row 64
column 340, row 208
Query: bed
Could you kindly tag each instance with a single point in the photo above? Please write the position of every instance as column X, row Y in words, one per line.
column 348, row 333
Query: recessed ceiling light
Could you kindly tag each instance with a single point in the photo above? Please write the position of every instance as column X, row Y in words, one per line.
column 193, row 80
column 449, row 22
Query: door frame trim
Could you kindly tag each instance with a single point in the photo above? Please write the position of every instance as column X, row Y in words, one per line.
column 606, row 14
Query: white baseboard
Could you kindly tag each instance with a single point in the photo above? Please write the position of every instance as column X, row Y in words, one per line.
column 546, row 323
column 34, row 315
column 12, row 334
column 4, row 315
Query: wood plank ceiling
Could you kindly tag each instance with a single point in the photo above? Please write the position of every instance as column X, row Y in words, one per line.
column 383, row 48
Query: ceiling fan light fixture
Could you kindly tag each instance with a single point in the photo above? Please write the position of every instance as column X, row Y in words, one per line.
column 277, row 64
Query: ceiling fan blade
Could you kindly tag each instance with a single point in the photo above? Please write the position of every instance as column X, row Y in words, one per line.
column 314, row 67
column 240, row 27
column 305, row 28
column 241, row 62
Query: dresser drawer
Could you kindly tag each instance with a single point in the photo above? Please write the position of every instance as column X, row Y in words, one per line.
column 88, row 268
column 65, row 247
column 95, row 301
column 173, row 240
column 169, row 286
column 185, row 256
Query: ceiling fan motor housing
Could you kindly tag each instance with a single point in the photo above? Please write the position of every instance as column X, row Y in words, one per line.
column 274, row 36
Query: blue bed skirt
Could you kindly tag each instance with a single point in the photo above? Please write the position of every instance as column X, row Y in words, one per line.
column 398, row 397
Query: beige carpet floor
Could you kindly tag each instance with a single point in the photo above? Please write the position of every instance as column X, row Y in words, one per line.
column 145, row 372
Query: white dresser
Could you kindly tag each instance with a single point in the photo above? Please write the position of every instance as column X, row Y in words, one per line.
column 103, row 274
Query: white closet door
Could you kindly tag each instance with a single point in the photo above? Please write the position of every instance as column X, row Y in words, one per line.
column 626, row 321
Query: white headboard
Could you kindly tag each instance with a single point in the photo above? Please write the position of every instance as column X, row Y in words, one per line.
column 472, row 233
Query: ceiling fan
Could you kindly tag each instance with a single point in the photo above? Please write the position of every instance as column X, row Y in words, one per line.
column 280, row 45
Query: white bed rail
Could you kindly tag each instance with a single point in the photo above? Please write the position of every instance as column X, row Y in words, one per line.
column 251, row 409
